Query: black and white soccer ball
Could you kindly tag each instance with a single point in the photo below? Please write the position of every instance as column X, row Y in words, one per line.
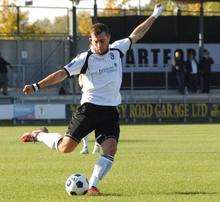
column 76, row 184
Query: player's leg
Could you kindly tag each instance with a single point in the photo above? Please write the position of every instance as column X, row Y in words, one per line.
column 58, row 142
column 104, row 164
column 85, row 149
column 67, row 145
column 79, row 126
column 54, row 141
column 96, row 148
column 107, row 136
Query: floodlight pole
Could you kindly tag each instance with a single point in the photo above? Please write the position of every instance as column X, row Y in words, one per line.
column 18, row 19
column 73, row 36
column 74, row 30
column 139, row 7
column 95, row 12
column 201, row 32
column 73, row 41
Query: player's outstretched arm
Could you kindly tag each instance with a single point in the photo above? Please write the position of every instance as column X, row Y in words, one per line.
column 142, row 29
column 51, row 79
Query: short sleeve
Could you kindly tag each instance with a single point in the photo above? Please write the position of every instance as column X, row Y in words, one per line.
column 123, row 45
column 75, row 66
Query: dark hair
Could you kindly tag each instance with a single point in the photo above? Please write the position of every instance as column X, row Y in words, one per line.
column 180, row 52
column 205, row 51
column 99, row 28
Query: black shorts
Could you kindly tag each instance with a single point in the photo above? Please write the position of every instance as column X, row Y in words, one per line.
column 88, row 117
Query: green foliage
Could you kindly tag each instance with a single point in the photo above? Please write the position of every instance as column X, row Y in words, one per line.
column 114, row 8
column 170, row 5
column 12, row 28
column 60, row 25
column 154, row 163
column 84, row 22
column 45, row 24
column 191, row 7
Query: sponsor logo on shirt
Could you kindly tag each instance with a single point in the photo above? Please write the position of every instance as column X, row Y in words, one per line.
column 105, row 70
column 112, row 56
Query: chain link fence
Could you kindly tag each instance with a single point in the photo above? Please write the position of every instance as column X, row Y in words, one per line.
column 39, row 44
column 44, row 22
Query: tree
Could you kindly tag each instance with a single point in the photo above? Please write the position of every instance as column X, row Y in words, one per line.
column 60, row 25
column 45, row 25
column 8, row 21
column 11, row 27
column 84, row 22
column 187, row 8
column 114, row 7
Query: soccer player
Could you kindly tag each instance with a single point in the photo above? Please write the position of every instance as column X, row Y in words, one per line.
column 101, row 70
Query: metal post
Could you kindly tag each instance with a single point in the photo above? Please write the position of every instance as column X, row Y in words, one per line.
column 139, row 7
column 132, row 80
column 73, row 33
column 73, row 43
column 74, row 36
column 166, row 76
column 18, row 19
column 201, row 32
column 95, row 12
column 42, row 59
column 23, row 74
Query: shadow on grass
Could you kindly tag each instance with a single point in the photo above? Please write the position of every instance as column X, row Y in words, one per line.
column 160, row 193
column 106, row 194
column 192, row 193
column 133, row 141
column 180, row 193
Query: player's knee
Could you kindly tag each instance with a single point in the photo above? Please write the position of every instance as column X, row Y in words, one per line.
column 112, row 150
column 110, row 147
column 66, row 145
column 65, row 148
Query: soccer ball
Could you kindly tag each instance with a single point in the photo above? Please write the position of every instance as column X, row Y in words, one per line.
column 76, row 184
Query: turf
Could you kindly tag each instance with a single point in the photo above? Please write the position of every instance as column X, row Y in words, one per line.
column 153, row 163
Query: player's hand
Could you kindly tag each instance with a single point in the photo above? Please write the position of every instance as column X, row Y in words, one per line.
column 158, row 9
column 28, row 89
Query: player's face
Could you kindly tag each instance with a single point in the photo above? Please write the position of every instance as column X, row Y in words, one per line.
column 100, row 43
column 177, row 54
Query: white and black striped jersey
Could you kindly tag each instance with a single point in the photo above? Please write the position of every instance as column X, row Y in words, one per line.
column 101, row 75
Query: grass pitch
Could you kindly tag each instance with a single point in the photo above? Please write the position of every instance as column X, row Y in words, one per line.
column 153, row 163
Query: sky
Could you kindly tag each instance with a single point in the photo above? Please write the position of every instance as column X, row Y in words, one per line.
column 37, row 13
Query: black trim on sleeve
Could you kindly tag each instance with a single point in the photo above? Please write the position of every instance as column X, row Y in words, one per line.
column 38, row 86
column 33, row 87
column 131, row 43
column 66, row 72
column 120, row 52
column 85, row 66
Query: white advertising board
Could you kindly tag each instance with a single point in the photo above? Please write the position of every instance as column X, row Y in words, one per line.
column 50, row 111
column 158, row 57
column 6, row 112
